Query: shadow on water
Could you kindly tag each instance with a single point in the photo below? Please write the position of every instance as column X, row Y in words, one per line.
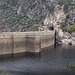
column 51, row 61
column 19, row 55
column 26, row 54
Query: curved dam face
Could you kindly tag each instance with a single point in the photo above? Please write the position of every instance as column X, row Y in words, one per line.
column 21, row 42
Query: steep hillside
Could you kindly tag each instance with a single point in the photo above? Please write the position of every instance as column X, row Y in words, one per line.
column 28, row 15
column 63, row 20
column 22, row 15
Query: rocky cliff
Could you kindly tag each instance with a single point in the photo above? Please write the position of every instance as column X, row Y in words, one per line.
column 28, row 15
column 63, row 21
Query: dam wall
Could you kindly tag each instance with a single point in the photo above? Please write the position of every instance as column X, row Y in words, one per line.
column 20, row 42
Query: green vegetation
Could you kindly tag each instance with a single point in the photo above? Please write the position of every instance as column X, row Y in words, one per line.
column 12, row 2
column 42, row 23
column 67, row 16
column 3, row 6
column 11, row 21
column 70, row 66
column 3, row 72
column 68, row 4
column 23, row 30
column 63, row 26
column 50, row 8
column 66, row 8
column 14, row 22
column 36, row 21
column 62, row 2
column 43, row 1
column 70, row 23
column 9, row 1
column 72, row 6
column 72, row 29
column 36, row 29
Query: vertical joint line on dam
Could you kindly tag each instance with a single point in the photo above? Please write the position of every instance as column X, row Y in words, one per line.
column 18, row 42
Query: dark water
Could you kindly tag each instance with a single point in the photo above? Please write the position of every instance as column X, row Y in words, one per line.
column 51, row 61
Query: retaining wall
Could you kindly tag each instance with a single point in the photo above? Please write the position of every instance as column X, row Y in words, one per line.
column 18, row 42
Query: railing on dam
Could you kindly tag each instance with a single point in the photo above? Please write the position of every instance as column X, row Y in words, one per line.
column 18, row 42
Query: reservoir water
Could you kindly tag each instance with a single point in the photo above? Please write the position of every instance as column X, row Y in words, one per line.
column 51, row 61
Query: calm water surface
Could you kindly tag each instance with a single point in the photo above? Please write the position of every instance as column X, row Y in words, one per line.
column 51, row 61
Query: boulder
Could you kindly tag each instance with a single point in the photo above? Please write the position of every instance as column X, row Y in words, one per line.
column 66, row 41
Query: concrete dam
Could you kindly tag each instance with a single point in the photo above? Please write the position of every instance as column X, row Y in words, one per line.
column 21, row 42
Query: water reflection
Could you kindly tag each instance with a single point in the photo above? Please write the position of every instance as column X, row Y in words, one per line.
column 51, row 61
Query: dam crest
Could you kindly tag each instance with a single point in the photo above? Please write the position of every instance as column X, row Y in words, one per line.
column 21, row 42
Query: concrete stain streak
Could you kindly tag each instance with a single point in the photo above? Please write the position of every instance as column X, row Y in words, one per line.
column 18, row 42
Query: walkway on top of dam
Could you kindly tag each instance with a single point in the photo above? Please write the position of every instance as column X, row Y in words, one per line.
column 32, row 33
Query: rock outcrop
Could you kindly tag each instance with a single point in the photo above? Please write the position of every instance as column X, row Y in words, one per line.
column 30, row 15
column 59, row 16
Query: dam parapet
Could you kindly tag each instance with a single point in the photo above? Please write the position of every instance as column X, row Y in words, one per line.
column 21, row 42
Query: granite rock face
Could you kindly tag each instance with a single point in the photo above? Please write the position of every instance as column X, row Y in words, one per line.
column 59, row 16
